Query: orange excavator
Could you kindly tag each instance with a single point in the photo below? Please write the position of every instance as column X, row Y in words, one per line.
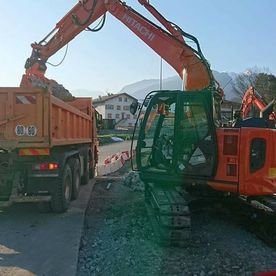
column 252, row 98
column 181, row 146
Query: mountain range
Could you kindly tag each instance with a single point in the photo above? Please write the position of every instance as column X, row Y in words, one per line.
column 141, row 88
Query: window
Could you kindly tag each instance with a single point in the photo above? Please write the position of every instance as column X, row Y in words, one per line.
column 125, row 99
column 126, row 107
column 159, row 135
column 109, row 116
column 120, row 99
column 117, row 116
column 257, row 154
column 195, row 149
column 118, row 107
column 109, row 106
column 128, row 116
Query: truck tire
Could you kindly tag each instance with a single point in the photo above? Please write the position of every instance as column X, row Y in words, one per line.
column 92, row 170
column 93, row 162
column 76, row 178
column 61, row 198
column 85, row 176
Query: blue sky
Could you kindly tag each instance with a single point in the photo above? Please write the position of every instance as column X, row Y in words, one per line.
column 234, row 35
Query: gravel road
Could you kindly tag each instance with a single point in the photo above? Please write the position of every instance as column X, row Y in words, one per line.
column 118, row 240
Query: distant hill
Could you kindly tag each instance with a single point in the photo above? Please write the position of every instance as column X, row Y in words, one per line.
column 141, row 88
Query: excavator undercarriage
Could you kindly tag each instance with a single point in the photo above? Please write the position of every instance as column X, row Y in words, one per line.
column 171, row 211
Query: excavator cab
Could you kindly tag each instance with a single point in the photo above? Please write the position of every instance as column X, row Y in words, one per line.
column 176, row 137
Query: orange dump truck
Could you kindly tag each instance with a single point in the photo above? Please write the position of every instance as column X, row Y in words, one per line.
column 48, row 147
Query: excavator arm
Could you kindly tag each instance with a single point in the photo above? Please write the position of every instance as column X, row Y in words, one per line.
column 168, row 25
column 189, row 63
column 252, row 98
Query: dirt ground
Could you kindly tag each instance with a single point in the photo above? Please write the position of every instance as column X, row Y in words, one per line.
column 118, row 240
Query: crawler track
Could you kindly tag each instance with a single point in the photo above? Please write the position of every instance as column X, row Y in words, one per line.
column 257, row 215
column 169, row 215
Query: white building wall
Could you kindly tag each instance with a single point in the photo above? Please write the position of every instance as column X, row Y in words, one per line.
column 101, row 110
column 118, row 114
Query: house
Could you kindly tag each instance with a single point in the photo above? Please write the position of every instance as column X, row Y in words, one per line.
column 116, row 107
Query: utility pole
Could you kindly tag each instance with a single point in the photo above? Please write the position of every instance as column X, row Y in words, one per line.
column 161, row 74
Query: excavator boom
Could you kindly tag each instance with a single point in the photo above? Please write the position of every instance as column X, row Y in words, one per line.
column 170, row 45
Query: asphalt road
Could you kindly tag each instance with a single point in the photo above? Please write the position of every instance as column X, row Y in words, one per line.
column 32, row 243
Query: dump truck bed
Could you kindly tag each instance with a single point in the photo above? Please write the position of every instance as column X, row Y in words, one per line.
column 34, row 118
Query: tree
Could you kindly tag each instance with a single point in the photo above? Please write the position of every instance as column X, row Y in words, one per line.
column 265, row 84
column 246, row 79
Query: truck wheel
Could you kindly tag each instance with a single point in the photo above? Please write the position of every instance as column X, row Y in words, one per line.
column 76, row 178
column 92, row 170
column 93, row 161
column 61, row 198
column 85, row 176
